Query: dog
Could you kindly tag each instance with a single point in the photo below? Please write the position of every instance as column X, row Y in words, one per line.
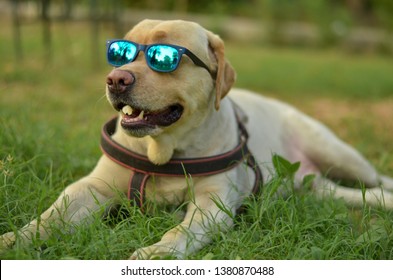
column 172, row 86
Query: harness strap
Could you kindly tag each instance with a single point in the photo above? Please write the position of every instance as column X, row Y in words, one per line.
column 134, row 193
column 142, row 168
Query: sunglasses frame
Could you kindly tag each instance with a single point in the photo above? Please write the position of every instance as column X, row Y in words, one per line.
column 145, row 49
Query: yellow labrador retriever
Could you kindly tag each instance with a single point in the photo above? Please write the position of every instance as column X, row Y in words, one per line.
column 172, row 88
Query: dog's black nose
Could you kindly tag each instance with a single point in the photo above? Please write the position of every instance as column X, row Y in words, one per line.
column 119, row 80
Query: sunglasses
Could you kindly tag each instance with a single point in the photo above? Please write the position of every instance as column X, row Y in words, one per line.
column 159, row 57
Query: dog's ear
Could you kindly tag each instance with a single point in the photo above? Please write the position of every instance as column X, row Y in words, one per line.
column 226, row 75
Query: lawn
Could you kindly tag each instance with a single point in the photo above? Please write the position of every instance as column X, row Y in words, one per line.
column 51, row 112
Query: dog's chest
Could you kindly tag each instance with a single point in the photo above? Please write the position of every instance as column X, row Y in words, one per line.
column 163, row 190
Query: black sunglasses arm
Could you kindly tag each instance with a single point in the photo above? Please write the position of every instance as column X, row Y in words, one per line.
column 199, row 62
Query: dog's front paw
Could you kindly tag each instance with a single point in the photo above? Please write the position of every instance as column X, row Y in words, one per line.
column 6, row 241
column 156, row 251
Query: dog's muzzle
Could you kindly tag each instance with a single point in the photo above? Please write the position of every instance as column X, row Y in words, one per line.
column 136, row 120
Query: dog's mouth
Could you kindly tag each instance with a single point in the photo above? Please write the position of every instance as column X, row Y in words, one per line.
column 136, row 118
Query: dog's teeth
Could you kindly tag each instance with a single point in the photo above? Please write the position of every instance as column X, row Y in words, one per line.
column 127, row 110
column 141, row 115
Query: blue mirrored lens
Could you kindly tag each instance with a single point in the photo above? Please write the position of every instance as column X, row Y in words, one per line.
column 121, row 52
column 162, row 58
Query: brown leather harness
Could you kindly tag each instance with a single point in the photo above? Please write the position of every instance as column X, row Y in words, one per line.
column 143, row 169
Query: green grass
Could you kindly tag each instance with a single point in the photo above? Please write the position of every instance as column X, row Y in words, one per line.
column 312, row 73
column 51, row 113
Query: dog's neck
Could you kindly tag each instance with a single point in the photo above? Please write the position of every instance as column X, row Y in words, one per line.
column 215, row 134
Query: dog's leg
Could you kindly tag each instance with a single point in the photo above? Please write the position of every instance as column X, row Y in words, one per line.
column 387, row 183
column 207, row 212
column 318, row 147
column 370, row 196
column 327, row 152
column 75, row 205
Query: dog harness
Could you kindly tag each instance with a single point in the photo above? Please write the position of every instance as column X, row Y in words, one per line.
column 142, row 169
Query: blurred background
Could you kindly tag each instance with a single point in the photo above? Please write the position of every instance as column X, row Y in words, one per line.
column 331, row 58
column 356, row 25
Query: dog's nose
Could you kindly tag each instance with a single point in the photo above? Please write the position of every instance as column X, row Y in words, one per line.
column 119, row 80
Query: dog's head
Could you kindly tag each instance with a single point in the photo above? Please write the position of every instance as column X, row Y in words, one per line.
column 151, row 102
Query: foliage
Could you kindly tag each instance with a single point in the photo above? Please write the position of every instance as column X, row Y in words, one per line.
column 363, row 12
column 321, row 11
